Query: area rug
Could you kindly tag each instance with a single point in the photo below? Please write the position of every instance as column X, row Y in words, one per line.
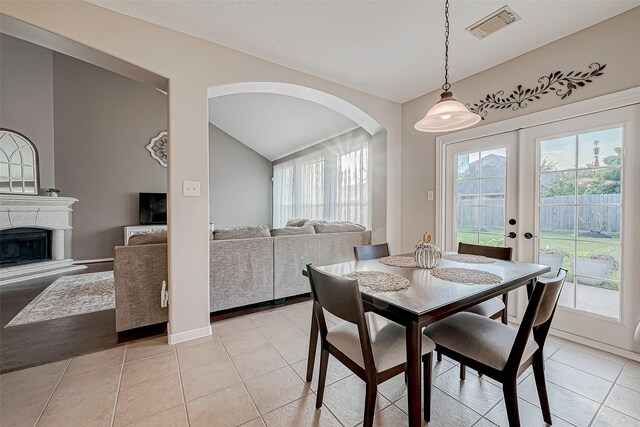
column 70, row 296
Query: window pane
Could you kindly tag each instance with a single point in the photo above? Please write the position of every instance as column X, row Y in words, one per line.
column 467, row 237
column 557, row 222
column 556, row 254
column 491, row 220
column 558, row 187
column 599, row 223
column 4, row 170
column 598, row 260
column 491, row 240
column 602, row 181
column 492, row 191
column 16, row 171
column 600, row 148
column 467, row 218
column 603, row 299
column 558, row 154
column 468, row 165
column 493, row 163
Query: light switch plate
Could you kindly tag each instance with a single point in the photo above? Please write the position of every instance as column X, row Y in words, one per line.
column 430, row 195
column 191, row 188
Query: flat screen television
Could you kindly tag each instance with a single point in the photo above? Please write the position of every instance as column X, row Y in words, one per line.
column 153, row 208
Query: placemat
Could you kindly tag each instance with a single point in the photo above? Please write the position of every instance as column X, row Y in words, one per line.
column 467, row 276
column 469, row 259
column 399, row 261
column 379, row 280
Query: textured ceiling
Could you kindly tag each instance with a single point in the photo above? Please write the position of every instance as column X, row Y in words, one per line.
column 393, row 49
column 275, row 125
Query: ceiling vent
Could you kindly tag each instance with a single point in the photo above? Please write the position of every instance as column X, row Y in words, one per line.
column 494, row 22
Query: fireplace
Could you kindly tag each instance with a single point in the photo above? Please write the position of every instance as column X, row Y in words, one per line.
column 24, row 245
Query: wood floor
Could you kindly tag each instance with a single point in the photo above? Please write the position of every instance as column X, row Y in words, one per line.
column 34, row 344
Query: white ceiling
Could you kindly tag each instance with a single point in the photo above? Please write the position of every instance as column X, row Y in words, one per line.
column 276, row 125
column 393, row 49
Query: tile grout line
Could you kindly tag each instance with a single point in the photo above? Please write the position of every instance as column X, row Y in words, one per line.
column 52, row 392
column 115, row 401
column 184, row 400
column 602, row 405
column 244, row 386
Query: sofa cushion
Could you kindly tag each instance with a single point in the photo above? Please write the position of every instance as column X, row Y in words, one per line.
column 291, row 231
column 338, row 227
column 241, row 233
column 296, row 222
column 159, row 236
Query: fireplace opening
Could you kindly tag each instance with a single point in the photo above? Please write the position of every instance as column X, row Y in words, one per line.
column 24, row 245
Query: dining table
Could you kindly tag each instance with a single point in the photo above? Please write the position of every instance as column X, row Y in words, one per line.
column 427, row 300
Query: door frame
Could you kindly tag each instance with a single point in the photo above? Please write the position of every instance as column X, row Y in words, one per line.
column 580, row 108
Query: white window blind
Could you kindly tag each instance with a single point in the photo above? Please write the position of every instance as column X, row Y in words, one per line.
column 331, row 183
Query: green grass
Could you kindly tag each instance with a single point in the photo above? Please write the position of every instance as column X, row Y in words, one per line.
column 557, row 241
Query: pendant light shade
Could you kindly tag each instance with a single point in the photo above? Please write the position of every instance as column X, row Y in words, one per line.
column 447, row 115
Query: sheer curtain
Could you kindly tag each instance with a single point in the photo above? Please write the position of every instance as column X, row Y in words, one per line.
column 330, row 183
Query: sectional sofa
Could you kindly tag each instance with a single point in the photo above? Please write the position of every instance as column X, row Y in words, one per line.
column 248, row 265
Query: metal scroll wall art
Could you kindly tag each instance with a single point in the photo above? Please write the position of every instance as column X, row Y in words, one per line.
column 158, row 148
column 562, row 84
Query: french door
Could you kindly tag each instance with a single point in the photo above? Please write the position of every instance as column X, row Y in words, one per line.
column 564, row 195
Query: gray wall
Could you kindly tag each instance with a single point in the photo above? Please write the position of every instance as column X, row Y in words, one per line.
column 102, row 123
column 239, row 182
column 26, row 98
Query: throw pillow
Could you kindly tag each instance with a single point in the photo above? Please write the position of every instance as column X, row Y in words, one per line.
column 296, row 222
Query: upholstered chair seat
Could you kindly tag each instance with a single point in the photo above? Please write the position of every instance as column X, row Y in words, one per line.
column 387, row 342
column 478, row 338
column 488, row 308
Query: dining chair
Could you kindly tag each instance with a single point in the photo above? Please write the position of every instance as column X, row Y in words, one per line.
column 371, row 251
column 371, row 346
column 493, row 308
column 501, row 352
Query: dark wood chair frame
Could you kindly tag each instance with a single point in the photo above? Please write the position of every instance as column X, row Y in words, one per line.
column 504, row 254
column 371, row 251
column 508, row 376
column 341, row 297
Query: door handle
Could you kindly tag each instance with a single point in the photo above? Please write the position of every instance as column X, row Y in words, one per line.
column 511, row 235
column 529, row 236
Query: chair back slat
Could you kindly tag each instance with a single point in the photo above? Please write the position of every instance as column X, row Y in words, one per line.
column 488, row 251
column 550, row 298
column 371, row 251
column 531, row 316
column 339, row 296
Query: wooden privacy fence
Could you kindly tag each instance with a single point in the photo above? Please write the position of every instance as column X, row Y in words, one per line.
column 595, row 212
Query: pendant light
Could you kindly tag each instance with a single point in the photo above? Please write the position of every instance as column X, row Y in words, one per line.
column 448, row 114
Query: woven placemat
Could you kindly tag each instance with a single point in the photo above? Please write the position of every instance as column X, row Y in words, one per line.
column 467, row 276
column 399, row 261
column 469, row 259
column 379, row 280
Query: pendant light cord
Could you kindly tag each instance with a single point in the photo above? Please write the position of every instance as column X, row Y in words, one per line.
column 446, row 86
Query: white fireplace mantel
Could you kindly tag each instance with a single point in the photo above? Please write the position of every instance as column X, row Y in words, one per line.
column 46, row 212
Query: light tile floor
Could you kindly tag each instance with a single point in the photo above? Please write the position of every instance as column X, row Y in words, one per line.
column 251, row 373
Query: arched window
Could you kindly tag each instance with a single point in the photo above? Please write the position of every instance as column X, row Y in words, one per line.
column 18, row 164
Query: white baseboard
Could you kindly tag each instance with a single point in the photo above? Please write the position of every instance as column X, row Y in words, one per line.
column 588, row 342
column 188, row 335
